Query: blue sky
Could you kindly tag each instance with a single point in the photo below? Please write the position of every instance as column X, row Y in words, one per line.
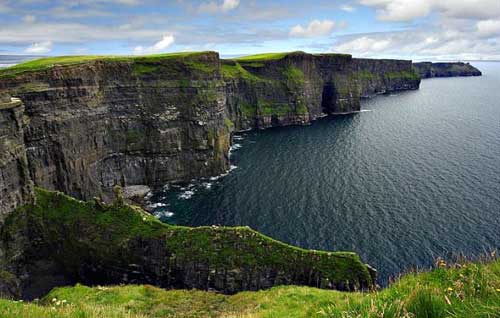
column 414, row 29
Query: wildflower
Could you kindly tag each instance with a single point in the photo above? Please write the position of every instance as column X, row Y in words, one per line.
column 54, row 300
column 450, row 289
column 440, row 263
column 498, row 290
column 144, row 218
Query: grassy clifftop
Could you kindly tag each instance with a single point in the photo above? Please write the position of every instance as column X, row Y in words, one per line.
column 51, row 62
column 467, row 290
column 111, row 244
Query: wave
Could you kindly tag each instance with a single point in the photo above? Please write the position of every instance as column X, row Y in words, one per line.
column 163, row 214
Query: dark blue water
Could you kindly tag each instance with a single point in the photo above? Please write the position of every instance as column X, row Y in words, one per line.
column 415, row 177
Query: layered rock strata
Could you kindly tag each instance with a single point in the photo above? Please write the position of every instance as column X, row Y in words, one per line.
column 15, row 183
column 60, row 240
column 150, row 120
column 429, row 69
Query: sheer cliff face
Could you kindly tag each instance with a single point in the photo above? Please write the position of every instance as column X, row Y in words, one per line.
column 147, row 121
column 299, row 87
column 428, row 69
column 103, row 123
column 15, row 184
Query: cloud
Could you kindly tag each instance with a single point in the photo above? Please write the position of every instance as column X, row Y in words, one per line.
column 347, row 8
column 407, row 10
column 433, row 44
column 158, row 47
column 29, row 18
column 213, row 7
column 364, row 44
column 399, row 10
column 315, row 28
column 127, row 2
column 39, row 48
column 488, row 28
column 229, row 5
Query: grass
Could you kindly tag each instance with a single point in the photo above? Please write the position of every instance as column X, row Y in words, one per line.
column 294, row 76
column 411, row 75
column 464, row 290
column 143, row 63
column 365, row 75
column 236, row 71
column 278, row 109
column 263, row 57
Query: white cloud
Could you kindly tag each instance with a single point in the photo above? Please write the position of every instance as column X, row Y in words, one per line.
column 29, row 18
column 399, row 10
column 347, row 8
column 433, row 44
column 315, row 28
column 407, row 10
column 213, row 7
column 39, row 48
column 128, row 2
column 488, row 28
column 158, row 47
column 229, row 5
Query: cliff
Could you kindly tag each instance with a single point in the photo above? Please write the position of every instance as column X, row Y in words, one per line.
column 296, row 88
column 93, row 122
column 122, row 121
column 82, row 125
column 60, row 240
column 428, row 69
column 15, row 183
column 463, row 290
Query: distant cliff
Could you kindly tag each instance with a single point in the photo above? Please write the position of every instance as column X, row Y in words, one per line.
column 93, row 122
column 429, row 70
column 285, row 89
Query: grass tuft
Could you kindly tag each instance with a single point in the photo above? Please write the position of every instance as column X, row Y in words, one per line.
column 475, row 294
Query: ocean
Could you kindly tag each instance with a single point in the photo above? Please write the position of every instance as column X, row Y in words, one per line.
column 413, row 177
column 11, row 60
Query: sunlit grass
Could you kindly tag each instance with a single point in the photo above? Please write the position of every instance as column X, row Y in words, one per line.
column 263, row 56
column 49, row 62
column 463, row 290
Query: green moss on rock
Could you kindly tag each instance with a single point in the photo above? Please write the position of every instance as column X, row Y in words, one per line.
column 409, row 75
column 111, row 237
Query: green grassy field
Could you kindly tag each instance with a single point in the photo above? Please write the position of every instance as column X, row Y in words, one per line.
column 467, row 290
column 49, row 62
column 263, row 57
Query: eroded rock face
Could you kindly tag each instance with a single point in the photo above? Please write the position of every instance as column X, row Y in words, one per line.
column 300, row 87
column 15, row 184
column 87, row 127
column 60, row 241
column 429, row 69
column 131, row 122
column 99, row 124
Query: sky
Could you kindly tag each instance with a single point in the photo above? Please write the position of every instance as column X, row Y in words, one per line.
column 412, row 29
